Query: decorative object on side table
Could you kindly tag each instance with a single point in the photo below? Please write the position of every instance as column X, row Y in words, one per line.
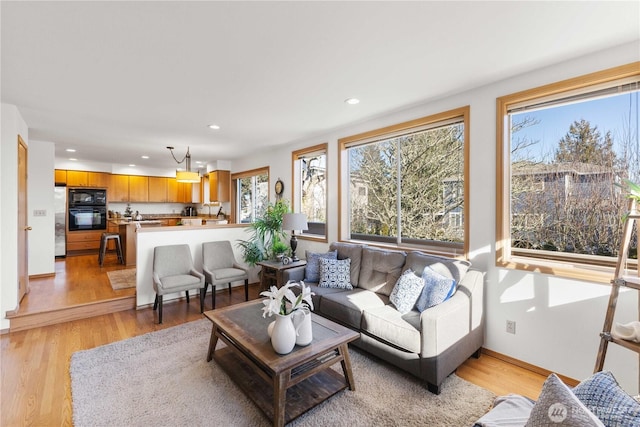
column 292, row 312
column 293, row 222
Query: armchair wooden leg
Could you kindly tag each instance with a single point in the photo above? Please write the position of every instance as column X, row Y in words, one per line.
column 187, row 292
column 229, row 288
column 159, row 298
column 155, row 303
column 202, row 292
column 213, row 296
column 246, row 289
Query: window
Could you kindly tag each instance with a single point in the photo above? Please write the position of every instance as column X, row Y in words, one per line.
column 566, row 150
column 407, row 184
column 310, row 188
column 251, row 191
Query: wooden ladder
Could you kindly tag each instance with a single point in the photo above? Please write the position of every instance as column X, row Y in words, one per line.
column 620, row 279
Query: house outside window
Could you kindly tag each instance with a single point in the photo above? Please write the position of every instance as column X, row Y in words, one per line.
column 567, row 149
column 407, row 184
column 251, row 191
column 310, row 189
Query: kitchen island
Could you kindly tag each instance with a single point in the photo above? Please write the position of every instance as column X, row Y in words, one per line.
column 147, row 238
column 127, row 231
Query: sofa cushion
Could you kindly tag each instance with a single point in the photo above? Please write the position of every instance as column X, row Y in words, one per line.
column 437, row 289
column 319, row 293
column 347, row 306
column 354, row 253
column 448, row 267
column 557, row 405
column 380, row 269
column 388, row 324
column 406, row 291
column 312, row 269
column 608, row 401
column 334, row 273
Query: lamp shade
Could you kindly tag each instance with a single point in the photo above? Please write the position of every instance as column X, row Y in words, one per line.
column 294, row 221
column 187, row 176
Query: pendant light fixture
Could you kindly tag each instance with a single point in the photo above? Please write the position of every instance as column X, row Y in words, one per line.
column 185, row 175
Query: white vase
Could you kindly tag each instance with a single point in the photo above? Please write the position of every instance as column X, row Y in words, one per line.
column 283, row 335
column 302, row 324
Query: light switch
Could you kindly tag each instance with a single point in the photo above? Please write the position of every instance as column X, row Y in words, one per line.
column 39, row 212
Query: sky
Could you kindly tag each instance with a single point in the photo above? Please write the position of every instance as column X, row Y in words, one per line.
column 608, row 114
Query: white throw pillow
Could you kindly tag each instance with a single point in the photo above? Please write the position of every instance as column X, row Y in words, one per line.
column 335, row 273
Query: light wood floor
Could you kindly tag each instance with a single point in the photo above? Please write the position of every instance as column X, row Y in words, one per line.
column 34, row 364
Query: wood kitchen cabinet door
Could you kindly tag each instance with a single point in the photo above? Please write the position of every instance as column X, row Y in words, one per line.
column 99, row 179
column 138, row 188
column 119, row 188
column 60, row 176
column 184, row 192
column 158, row 188
column 77, row 178
column 219, row 186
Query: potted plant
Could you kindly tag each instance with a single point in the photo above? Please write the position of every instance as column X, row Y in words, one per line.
column 279, row 248
column 265, row 232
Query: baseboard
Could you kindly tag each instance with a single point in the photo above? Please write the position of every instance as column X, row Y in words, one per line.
column 41, row 276
column 528, row 366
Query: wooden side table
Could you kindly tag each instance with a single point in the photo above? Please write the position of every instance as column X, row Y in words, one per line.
column 272, row 272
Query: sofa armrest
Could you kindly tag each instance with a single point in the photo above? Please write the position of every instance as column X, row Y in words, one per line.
column 296, row 274
column 444, row 325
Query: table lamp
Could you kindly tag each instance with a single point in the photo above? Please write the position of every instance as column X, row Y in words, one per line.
column 293, row 222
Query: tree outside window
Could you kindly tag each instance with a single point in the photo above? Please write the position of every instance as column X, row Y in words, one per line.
column 407, row 186
column 568, row 154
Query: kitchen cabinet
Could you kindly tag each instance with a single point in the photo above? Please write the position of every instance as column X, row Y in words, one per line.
column 119, row 189
column 184, row 192
column 98, row 179
column 83, row 241
column 158, row 189
column 138, row 188
column 77, row 178
column 219, row 186
column 60, row 176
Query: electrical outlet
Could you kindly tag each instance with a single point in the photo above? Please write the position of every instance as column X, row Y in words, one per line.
column 511, row 326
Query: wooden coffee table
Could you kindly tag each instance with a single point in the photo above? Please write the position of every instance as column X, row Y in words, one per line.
column 283, row 386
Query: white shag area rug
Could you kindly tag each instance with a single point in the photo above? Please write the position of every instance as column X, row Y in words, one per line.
column 163, row 379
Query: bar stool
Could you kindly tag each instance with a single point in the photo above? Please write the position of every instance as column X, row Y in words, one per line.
column 104, row 242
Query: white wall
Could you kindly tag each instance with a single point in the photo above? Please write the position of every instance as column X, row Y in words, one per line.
column 40, row 197
column 557, row 320
column 11, row 126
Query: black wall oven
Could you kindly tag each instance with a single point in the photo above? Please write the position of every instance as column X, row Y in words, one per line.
column 87, row 209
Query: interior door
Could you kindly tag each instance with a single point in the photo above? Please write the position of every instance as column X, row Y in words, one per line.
column 23, row 228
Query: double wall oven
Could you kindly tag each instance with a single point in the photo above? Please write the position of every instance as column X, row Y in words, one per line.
column 87, row 209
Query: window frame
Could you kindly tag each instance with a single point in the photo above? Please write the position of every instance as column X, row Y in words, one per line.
column 576, row 266
column 297, row 188
column 234, row 185
column 434, row 247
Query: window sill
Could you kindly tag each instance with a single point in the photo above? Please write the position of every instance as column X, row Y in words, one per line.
column 590, row 273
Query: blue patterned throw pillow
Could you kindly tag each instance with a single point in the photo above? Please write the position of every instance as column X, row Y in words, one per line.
column 406, row 291
column 335, row 273
column 557, row 405
column 437, row 289
column 608, row 401
column 312, row 269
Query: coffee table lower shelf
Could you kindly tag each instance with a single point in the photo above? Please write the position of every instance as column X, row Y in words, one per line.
column 300, row 397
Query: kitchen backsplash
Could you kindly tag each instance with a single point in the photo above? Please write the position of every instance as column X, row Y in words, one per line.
column 167, row 208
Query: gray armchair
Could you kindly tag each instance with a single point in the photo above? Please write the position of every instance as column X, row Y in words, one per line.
column 173, row 271
column 219, row 266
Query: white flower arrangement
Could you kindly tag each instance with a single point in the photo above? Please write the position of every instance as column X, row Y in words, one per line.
column 284, row 301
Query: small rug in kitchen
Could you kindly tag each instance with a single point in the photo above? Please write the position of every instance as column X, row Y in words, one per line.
column 122, row 279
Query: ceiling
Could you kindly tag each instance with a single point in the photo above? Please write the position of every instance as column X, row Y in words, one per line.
column 118, row 80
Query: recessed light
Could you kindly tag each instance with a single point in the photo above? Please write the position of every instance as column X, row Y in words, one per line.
column 145, row 157
column 352, row 101
column 214, row 127
column 70, row 150
column 132, row 165
column 72, row 159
